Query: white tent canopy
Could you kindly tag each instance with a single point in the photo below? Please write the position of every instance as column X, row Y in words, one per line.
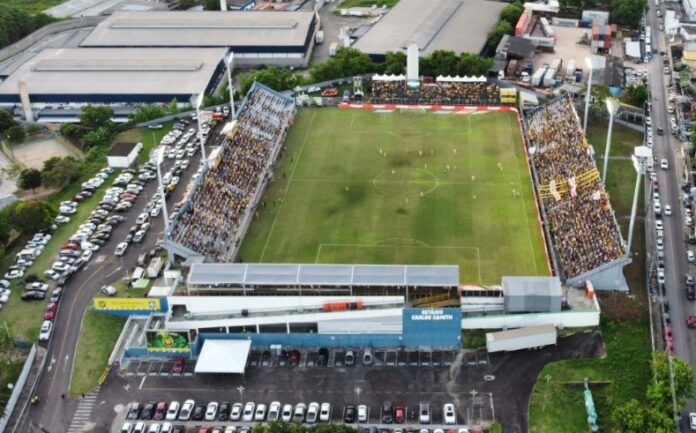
column 223, row 356
column 378, row 77
column 458, row 79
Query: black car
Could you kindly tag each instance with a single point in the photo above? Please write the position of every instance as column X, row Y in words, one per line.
column 70, row 253
column 134, row 410
column 198, row 412
column 323, row 357
column 97, row 241
column 690, row 293
column 86, row 192
column 148, row 410
column 107, row 206
column 95, row 220
column 129, row 238
column 134, row 228
column 224, row 411
column 102, row 235
column 660, row 131
column 179, row 429
column 32, row 295
column 349, row 414
column 387, row 412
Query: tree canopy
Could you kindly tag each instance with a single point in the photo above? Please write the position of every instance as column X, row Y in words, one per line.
column 16, row 24
column 347, row 63
column 60, row 171
column 511, row 13
column 635, row 95
column 31, row 215
column 30, row 178
column 273, row 77
column 15, row 134
column 95, row 116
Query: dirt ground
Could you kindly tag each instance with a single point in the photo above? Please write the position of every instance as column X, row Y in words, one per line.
column 34, row 153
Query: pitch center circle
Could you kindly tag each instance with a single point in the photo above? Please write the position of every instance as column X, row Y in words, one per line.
column 405, row 182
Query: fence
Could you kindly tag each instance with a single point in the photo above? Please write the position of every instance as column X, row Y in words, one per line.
column 18, row 387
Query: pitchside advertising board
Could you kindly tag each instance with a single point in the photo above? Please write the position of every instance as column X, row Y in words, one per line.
column 432, row 327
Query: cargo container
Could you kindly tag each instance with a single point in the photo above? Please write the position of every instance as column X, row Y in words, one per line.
column 319, row 37
column 155, row 267
column 550, row 77
column 522, row 338
column 570, row 70
column 511, row 68
column 538, row 77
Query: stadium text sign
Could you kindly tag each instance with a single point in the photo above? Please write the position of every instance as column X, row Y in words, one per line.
column 432, row 315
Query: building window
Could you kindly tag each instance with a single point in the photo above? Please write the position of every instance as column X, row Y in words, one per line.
column 306, row 328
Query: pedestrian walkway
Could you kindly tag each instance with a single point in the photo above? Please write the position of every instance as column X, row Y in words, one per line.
column 83, row 411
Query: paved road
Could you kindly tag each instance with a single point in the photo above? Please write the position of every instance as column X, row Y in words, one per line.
column 668, row 146
column 54, row 413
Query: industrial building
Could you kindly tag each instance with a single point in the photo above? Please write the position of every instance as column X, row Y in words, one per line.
column 69, row 78
column 256, row 38
column 122, row 155
column 455, row 25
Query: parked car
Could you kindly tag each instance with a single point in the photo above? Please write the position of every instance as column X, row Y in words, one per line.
column 211, row 411
column 236, row 412
column 286, row 414
column 349, row 414
column 45, row 331
column 121, row 249
column 186, row 410
column 248, row 413
column 134, row 409
column 449, row 414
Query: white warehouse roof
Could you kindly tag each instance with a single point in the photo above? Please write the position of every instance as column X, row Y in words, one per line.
column 95, row 72
column 202, row 29
column 239, row 274
column 223, row 356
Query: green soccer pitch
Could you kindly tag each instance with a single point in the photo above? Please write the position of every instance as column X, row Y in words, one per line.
column 363, row 187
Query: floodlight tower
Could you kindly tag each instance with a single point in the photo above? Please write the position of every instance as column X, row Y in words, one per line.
column 588, row 62
column 157, row 156
column 612, row 107
column 197, row 101
column 642, row 158
column 230, row 65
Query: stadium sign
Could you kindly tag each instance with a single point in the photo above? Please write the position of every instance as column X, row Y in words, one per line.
column 431, row 328
column 127, row 304
column 430, row 314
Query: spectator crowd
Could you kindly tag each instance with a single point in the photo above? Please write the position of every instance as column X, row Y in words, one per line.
column 230, row 188
column 435, row 93
column 583, row 229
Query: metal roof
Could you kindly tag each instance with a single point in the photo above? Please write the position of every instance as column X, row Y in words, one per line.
column 106, row 71
column 239, row 274
column 201, row 29
column 456, row 25
column 532, row 286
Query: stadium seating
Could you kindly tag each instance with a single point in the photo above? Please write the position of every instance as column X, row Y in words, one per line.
column 579, row 215
column 223, row 197
column 435, row 93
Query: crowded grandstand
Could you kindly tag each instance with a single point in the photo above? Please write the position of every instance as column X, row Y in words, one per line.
column 228, row 191
column 387, row 89
column 583, row 229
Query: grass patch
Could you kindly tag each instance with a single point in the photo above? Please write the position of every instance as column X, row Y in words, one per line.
column 97, row 339
column 367, row 3
column 434, row 195
column 31, row 6
column 9, row 373
column 475, row 338
column 149, row 137
column 122, row 290
column 495, row 428
column 622, row 142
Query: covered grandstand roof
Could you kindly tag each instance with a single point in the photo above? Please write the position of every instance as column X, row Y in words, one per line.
column 202, row 29
column 456, row 25
column 242, row 274
column 108, row 75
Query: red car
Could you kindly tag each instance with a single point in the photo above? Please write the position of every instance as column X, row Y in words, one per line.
column 70, row 246
column 399, row 415
column 179, row 364
column 670, row 348
column 691, row 322
column 204, row 429
column 161, row 411
column 50, row 312
column 668, row 333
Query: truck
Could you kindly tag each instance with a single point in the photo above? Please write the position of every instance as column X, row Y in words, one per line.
column 511, row 68
column 538, row 77
column 319, row 37
column 155, row 267
column 521, row 338
column 333, row 49
column 28, row 254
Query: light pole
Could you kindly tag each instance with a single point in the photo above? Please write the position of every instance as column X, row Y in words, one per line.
column 230, row 65
column 642, row 156
column 158, row 156
column 588, row 62
column 197, row 101
column 612, row 108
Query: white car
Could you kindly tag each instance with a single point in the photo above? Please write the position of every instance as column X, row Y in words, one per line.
column 449, row 414
column 211, row 411
column 155, row 211
column 325, row 412
column 274, row 411
column 60, row 267
column 14, row 272
column 186, row 409
column 139, row 427
column 690, row 256
column 166, row 427
column 286, row 415
column 236, row 412
column 298, row 414
column 46, row 329
column 689, row 221
column 143, row 217
column 174, row 181
column 660, row 244
column 312, row 412
column 172, row 411
column 362, row 413
column 154, row 428
column 121, row 249
column 62, row 219
column 692, row 420
column 663, row 164
column 668, row 210
column 86, row 255
column 248, row 413
column 260, row 414
column 126, row 428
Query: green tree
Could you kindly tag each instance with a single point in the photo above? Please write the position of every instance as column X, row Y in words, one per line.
column 97, row 137
column 273, row 77
column 503, row 28
column 15, row 134
column 347, row 63
column 6, row 121
column 635, row 95
column 50, row 163
column 472, row 64
column 64, row 171
column 30, row 178
column 439, row 62
column 211, row 5
column 660, row 391
column 12, row 171
column 32, row 215
column 70, row 130
column 634, row 417
column 627, row 12
column 395, row 63
column 33, row 128
column 144, row 113
column 511, row 13
column 93, row 117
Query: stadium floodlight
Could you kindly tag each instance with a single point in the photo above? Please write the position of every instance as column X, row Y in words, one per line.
column 197, row 101
column 612, row 107
column 230, row 65
column 641, row 158
column 588, row 62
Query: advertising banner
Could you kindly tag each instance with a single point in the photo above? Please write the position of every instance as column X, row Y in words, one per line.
column 432, row 327
column 127, row 304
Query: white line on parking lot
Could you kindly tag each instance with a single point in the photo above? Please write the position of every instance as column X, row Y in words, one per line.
column 142, row 382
